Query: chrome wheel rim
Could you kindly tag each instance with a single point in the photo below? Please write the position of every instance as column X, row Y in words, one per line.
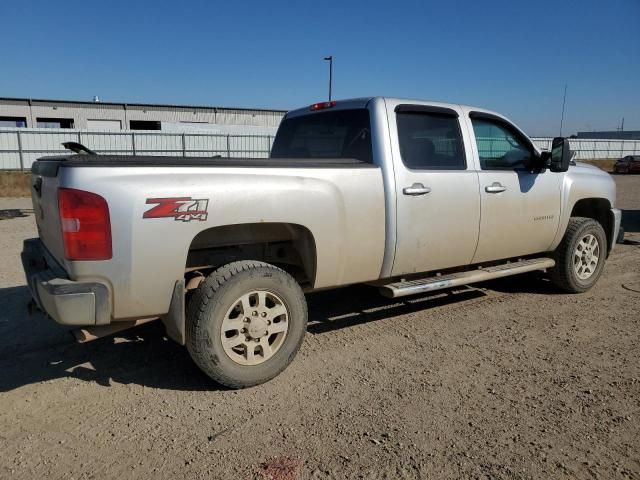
column 254, row 327
column 586, row 257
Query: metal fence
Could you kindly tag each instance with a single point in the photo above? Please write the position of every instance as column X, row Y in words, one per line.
column 19, row 148
column 595, row 149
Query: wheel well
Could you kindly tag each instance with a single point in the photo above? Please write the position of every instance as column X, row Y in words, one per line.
column 289, row 246
column 598, row 209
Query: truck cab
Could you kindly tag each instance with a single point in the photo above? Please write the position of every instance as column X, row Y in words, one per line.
column 463, row 185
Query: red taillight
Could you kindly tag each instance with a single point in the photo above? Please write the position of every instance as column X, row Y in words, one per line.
column 86, row 227
column 322, row 105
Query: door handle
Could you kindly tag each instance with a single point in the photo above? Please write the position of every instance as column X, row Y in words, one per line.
column 495, row 187
column 416, row 189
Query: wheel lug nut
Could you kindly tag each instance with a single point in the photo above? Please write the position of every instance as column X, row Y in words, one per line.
column 268, row 322
column 264, row 314
column 246, row 319
column 256, row 340
column 255, row 313
column 244, row 330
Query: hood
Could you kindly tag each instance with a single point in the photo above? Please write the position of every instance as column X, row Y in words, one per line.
column 587, row 166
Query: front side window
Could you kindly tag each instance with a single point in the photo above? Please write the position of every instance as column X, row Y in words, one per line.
column 330, row 134
column 500, row 147
column 430, row 141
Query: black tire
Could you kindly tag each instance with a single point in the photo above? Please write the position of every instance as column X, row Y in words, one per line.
column 212, row 300
column 563, row 275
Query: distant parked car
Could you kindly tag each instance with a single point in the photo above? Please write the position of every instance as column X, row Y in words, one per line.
column 628, row 164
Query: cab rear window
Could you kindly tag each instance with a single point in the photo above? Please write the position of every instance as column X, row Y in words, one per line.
column 330, row 134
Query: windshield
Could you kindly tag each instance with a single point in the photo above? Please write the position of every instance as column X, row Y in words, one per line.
column 331, row 134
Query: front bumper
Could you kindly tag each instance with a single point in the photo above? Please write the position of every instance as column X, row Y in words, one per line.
column 66, row 301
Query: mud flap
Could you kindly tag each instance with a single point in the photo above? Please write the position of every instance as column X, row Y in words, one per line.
column 174, row 319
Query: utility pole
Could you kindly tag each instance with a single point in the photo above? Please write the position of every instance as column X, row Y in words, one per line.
column 622, row 126
column 330, row 60
column 564, row 99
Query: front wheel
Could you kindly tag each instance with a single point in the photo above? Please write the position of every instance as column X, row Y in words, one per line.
column 245, row 323
column 580, row 256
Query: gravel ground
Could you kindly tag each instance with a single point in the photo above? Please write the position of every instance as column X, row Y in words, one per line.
column 510, row 380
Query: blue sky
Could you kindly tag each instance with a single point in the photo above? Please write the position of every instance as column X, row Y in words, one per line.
column 511, row 56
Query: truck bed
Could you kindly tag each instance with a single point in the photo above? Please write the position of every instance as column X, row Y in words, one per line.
column 339, row 202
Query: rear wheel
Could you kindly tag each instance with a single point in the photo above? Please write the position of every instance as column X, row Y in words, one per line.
column 245, row 323
column 580, row 256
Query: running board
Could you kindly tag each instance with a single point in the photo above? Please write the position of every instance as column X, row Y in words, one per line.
column 429, row 284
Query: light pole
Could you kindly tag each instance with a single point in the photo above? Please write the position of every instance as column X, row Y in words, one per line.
column 330, row 60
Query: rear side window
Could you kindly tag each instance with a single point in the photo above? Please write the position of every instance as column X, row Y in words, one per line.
column 331, row 134
column 430, row 141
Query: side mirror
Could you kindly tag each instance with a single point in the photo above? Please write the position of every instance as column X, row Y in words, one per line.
column 560, row 155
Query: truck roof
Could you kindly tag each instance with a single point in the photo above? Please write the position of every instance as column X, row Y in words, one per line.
column 362, row 102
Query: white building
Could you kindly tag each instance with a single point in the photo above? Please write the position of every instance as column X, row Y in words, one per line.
column 109, row 116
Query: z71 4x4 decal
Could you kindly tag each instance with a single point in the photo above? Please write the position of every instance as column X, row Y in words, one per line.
column 184, row 209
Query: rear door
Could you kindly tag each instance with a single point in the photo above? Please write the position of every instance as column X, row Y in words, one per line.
column 437, row 202
column 520, row 207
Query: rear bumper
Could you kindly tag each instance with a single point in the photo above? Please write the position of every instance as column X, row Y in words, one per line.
column 66, row 301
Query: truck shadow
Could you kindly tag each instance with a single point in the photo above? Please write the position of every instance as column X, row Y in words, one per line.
column 346, row 307
column 536, row 283
column 526, row 180
column 631, row 220
column 7, row 214
column 34, row 349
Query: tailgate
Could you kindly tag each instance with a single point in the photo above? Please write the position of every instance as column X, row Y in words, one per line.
column 44, row 195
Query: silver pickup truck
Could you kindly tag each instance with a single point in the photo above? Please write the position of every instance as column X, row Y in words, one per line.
column 407, row 196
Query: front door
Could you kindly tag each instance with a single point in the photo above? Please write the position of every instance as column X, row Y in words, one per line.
column 437, row 203
column 520, row 207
